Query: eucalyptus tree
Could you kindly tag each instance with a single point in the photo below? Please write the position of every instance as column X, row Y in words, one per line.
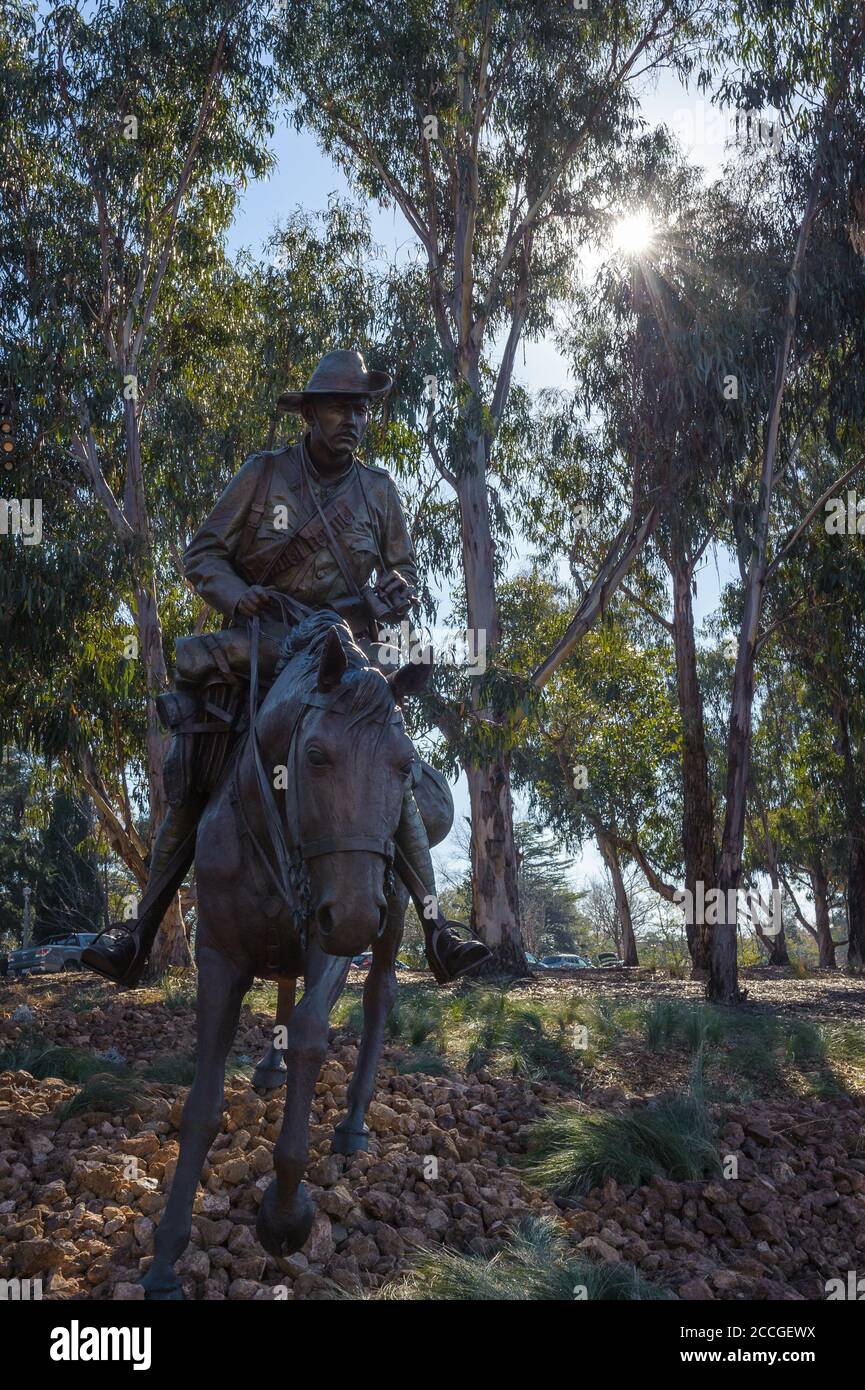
column 671, row 351
column 809, row 67
column 493, row 126
column 598, row 755
column 127, row 131
column 814, row 624
column 797, row 824
column 144, row 363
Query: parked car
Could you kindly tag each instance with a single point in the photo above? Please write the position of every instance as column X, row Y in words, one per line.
column 566, row 963
column 364, row 961
column 48, row 957
column 607, row 960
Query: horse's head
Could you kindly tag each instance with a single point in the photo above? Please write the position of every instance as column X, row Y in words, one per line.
column 352, row 762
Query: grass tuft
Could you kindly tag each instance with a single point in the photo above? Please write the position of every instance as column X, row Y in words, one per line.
column 74, row 1064
column 570, row 1153
column 103, row 1091
column 172, row 1069
column 535, row 1264
column 178, row 989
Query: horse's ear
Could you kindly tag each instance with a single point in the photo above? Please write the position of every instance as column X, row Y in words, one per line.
column 411, row 679
column 331, row 667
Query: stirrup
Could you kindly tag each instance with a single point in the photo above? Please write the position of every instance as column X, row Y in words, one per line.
column 443, row 973
column 131, row 976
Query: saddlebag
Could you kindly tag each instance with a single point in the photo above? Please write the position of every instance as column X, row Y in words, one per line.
column 204, row 725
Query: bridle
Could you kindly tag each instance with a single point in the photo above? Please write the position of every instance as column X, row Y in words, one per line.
column 291, row 852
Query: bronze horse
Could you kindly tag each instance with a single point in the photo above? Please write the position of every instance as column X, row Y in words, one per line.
column 297, row 892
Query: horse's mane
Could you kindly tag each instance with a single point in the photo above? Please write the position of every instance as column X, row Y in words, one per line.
column 301, row 651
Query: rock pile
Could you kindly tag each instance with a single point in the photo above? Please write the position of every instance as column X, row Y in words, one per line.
column 80, row 1197
column 791, row 1219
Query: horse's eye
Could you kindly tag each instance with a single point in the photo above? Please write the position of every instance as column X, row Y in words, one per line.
column 407, row 769
column 317, row 757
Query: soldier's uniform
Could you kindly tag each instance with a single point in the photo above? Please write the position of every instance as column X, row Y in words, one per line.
column 364, row 513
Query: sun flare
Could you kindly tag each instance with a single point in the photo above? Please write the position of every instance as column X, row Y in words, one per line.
column 632, row 235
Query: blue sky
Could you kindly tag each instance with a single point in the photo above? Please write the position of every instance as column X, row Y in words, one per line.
column 305, row 176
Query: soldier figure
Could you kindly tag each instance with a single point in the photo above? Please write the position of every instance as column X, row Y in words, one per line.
column 311, row 523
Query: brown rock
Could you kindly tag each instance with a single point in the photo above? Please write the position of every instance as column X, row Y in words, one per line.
column 593, row 1248
column 695, row 1289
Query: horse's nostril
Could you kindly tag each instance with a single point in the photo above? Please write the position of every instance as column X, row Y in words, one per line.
column 382, row 921
column 325, row 921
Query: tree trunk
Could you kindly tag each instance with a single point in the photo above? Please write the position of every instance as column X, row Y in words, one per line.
column 774, row 942
column 698, row 813
column 856, row 897
column 723, row 984
column 495, row 892
column 823, row 929
column 854, row 812
column 608, row 849
column 171, row 946
column 776, row 946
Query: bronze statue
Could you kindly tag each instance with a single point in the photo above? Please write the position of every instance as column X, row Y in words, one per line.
column 297, row 894
column 296, row 530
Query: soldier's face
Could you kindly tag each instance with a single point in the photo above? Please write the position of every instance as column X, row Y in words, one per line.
column 338, row 423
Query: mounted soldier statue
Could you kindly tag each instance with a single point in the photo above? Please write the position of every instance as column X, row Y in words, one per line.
column 308, row 822
column 296, row 530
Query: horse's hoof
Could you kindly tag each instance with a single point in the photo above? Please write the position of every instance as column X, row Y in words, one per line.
column 350, row 1141
column 284, row 1235
column 162, row 1288
column 268, row 1078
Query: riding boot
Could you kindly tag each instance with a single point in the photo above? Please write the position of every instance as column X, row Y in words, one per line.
column 121, row 951
column 448, row 954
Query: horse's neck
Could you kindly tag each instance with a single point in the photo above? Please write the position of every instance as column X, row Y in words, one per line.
column 278, row 711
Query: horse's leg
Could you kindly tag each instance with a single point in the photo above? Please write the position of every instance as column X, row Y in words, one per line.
column 286, row 1213
column 269, row 1075
column 351, row 1134
column 221, row 987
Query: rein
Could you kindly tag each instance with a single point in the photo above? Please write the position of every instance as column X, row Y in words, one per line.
column 291, row 875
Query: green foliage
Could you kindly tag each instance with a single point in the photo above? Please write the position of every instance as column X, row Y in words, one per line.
column 68, row 1063
column 503, row 1032
column 112, row 1094
column 609, row 720
column 570, row 1153
column 535, row 1263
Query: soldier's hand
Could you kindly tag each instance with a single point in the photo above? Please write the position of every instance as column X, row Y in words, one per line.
column 253, row 601
column 394, row 593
